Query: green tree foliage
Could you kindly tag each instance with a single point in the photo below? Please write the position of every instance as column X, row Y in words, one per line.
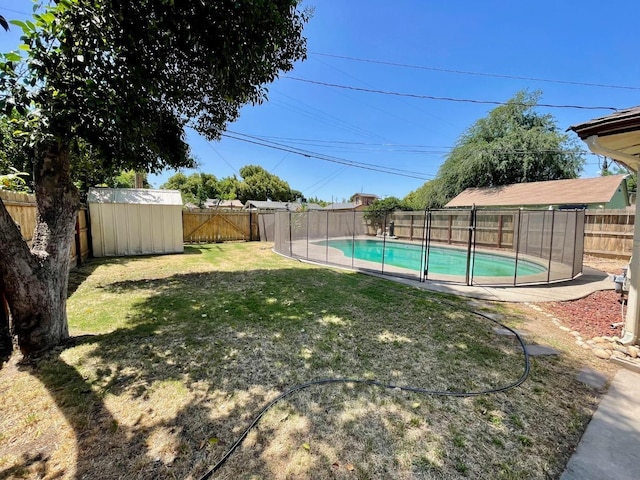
column 318, row 201
column 513, row 144
column 377, row 211
column 229, row 188
column 195, row 188
column 15, row 160
column 124, row 78
column 258, row 184
column 127, row 179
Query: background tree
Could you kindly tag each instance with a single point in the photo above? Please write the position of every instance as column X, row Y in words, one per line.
column 513, row 144
column 229, row 187
column 378, row 210
column 195, row 188
column 127, row 179
column 318, row 201
column 90, row 71
column 258, row 184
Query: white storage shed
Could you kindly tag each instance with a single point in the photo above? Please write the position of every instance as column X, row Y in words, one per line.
column 135, row 221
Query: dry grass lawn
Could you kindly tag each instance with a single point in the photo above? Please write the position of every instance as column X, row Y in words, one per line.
column 173, row 356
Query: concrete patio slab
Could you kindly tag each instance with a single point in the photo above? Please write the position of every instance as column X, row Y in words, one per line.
column 609, row 446
column 541, row 350
column 592, row 377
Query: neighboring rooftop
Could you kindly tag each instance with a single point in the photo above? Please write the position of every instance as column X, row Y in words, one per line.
column 578, row 191
column 282, row 206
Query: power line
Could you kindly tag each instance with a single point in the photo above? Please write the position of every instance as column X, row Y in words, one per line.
column 442, row 148
column 328, row 158
column 446, row 99
column 480, row 74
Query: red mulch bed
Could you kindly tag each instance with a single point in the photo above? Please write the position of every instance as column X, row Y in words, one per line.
column 592, row 316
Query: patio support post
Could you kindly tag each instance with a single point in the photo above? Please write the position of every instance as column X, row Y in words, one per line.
column 632, row 320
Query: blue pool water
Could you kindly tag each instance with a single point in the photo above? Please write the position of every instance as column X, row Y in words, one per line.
column 442, row 260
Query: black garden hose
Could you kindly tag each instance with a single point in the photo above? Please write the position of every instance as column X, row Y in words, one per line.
column 423, row 391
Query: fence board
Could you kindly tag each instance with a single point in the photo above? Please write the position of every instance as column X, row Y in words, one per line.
column 22, row 208
column 609, row 232
column 216, row 226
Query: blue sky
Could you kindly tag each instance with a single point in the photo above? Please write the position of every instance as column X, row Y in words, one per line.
column 589, row 41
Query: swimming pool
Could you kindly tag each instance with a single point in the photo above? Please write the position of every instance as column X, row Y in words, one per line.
column 442, row 260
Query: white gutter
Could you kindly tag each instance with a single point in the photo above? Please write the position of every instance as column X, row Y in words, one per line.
column 632, row 319
column 631, row 161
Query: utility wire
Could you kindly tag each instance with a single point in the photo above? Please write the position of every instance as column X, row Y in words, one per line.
column 445, row 99
column 480, row 74
column 327, row 158
column 352, row 162
column 403, row 145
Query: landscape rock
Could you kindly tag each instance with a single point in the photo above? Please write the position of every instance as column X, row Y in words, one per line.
column 601, row 353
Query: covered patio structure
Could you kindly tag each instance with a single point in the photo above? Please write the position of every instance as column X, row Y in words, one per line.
column 617, row 136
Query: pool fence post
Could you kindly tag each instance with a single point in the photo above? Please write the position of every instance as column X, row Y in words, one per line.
column 384, row 242
column 575, row 241
column 517, row 240
column 290, row 237
column 353, row 238
column 424, row 255
column 472, row 215
column 473, row 255
column 553, row 222
column 307, row 213
column 326, row 249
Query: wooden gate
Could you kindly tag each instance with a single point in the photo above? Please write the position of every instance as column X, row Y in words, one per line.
column 215, row 226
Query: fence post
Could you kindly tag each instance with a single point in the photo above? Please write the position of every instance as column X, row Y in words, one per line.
column 472, row 220
column 411, row 227
column 77, row 240
column 517, row 242
column 353, row 238
column 384, row 242
column 553, row 223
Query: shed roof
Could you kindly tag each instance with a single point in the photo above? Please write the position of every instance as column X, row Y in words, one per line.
column 139, row 196
column 553, row 192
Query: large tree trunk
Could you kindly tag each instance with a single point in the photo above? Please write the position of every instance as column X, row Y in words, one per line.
column 35, row 279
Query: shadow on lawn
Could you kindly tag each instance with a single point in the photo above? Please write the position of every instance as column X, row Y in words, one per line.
column 206, row 351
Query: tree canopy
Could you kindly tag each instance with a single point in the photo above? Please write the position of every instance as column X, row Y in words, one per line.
column 513, row 144
column 378, row 209
column 123, row 79
column 255, row 184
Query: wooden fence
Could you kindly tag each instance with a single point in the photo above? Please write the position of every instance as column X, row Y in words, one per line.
column 219, row 226
column 606, row 232
column 22, row 208
column 609, row 233
column 493, row 229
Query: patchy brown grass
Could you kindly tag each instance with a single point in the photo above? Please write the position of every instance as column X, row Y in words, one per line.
column 175, row 355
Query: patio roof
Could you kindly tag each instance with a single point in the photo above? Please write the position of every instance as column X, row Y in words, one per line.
column 616, row 136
